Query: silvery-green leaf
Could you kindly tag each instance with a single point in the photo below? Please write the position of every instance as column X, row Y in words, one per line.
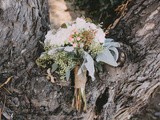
column 60, row 48
column 108, row 40
column 111, row 44
column 68, row 74
column 54, row 67
column 82, row 68
column 68, row 48
column 106, row 57
column 114, row 52
column 80, row 71
column 89, row 64
column 52, row 51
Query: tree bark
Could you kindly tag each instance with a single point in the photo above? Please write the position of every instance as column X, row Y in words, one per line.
column 130, row 92
column 23, row 23
column 134, row 92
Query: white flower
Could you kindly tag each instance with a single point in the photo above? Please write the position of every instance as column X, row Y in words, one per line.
column 57, row 39
column 63, row 34
column 80, row 23
column 49, row 36
column 91, row 26
column 100, row 36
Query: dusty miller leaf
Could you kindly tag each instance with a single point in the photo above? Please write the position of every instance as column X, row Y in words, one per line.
column 114, row 52
column 106, row 57
column 68, row 49
column 54, row 67
column 88, row 64
column 110, row 43
column 68, row 74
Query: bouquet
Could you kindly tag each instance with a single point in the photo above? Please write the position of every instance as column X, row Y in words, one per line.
column 78, row 46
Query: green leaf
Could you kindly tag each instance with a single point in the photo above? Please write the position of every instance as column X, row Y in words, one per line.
column 64, row 25
column 54, row 67
column 89, row 20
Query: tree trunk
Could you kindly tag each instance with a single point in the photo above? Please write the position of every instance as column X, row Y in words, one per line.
column 131, row 92
column 23, row 23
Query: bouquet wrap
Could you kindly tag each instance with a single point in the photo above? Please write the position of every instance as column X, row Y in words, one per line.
column 79, row 100
column 80, row 79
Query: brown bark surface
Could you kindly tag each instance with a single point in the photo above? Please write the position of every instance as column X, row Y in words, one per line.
column 131, row 92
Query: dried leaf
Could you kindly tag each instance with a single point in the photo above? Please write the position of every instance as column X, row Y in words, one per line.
column 49, row 76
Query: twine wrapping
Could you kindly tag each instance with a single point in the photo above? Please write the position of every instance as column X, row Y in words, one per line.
column 79, row 100
column 80, row 80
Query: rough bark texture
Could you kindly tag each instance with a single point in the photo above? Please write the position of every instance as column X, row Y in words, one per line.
column 23, row 23
column 131, row 92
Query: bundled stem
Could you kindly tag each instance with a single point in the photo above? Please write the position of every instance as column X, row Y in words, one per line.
column 79, row 100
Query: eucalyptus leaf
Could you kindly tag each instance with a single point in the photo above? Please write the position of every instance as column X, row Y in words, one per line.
column 54, row 67
column 106, row 57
